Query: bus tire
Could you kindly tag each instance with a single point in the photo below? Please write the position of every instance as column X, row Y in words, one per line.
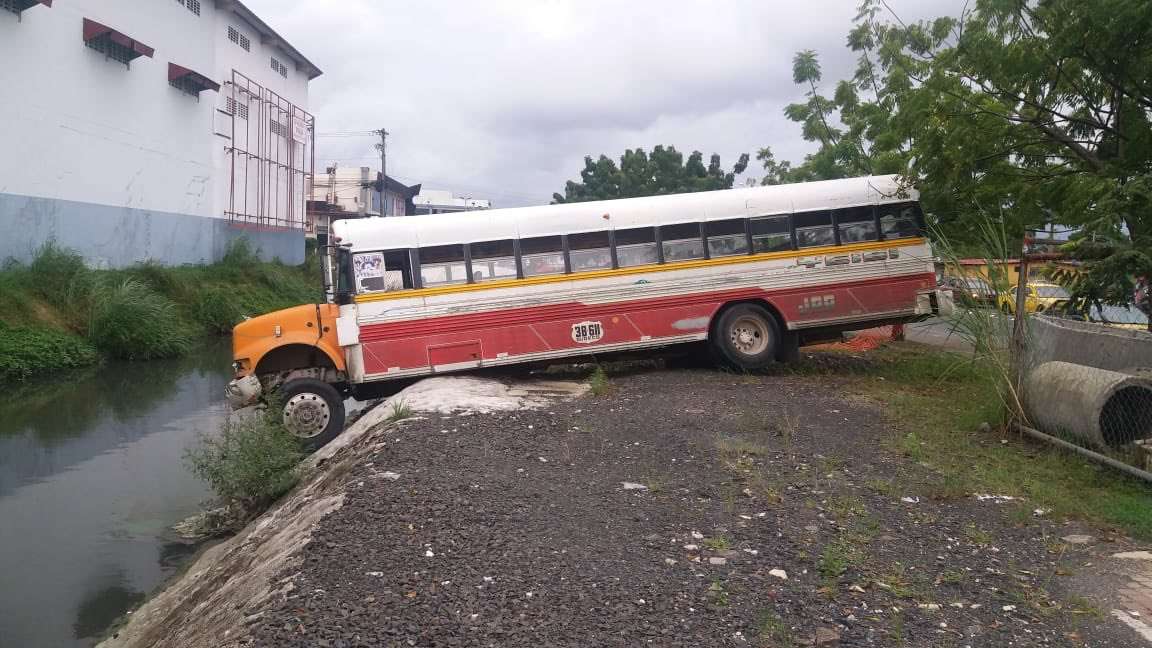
column 746, row 337
column 312, row 410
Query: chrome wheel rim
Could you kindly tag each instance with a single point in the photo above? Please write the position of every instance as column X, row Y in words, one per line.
column 749, row 335
column 306, row 415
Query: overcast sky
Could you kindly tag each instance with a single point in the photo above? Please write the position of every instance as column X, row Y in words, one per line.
column 503, row 99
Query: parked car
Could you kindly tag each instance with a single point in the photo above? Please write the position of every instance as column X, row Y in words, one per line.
column 1041, row 297
column 1122, row 317
column 970, row 292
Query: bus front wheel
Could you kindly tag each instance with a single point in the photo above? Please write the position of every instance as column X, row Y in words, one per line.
column 312, row 410
column 746, row 337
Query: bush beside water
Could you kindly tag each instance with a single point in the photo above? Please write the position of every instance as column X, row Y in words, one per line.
column 249, row 463
column 56, row 313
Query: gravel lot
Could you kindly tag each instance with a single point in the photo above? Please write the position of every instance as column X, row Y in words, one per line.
column 681, row 508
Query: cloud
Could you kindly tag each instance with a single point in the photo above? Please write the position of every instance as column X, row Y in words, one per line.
column 503, row 99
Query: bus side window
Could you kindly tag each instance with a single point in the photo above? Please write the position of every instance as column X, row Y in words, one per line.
column 636, row 247
column 681, row 242
column 493, row 260
column 726, row 238
column 770, row 234
column 857, row 224
column 814, row 229
column 589, row 251
column 899, row 221
column 543, row 255
column 442, row 265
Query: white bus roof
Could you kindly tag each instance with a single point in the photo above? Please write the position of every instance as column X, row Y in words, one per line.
column 570, row 218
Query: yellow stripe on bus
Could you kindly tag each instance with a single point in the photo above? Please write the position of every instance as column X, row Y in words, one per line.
column 644, row 269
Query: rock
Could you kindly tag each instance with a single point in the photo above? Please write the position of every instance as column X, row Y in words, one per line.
column 691, row 547
column 389, row 475
column 857, row 588
column 779, row 573
column 633, row 486
column 696, row 535
column 717, row 560
column 1134, row 555
column 812, row 528
column 669, row 561
column 929, row 606
column 1078, row 539
column 374, row 574
column 1009, row 608
column 429, row 554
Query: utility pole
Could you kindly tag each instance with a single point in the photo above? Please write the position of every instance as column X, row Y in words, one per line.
column 382, row 147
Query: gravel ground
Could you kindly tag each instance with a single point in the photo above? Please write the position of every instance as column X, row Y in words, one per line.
column 770, row 514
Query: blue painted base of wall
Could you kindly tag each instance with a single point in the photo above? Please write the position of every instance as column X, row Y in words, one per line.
column 115, row 237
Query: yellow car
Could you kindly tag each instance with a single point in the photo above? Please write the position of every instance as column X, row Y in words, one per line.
column 1041, row 297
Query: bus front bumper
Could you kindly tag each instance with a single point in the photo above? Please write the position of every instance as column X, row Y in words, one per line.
column 243, row 392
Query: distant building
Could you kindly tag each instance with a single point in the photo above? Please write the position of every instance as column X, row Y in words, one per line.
column 354, row 192
column 436, row 201
column 151, row 130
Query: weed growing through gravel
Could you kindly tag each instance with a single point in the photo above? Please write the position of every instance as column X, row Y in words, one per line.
column 399, row 411
column 718, row 543
column 773, row 631
column 598, row 382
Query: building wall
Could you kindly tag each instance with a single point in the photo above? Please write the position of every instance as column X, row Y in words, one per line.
column 111, row 160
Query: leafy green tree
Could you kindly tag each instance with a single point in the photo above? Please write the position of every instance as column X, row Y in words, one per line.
column 664, row 171
column 1035, row 110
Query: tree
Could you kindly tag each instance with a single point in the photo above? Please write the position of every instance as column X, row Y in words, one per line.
column 639, row 174
column 1038, row 110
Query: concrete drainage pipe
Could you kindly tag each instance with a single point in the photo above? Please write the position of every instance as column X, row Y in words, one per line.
column 1100, row 407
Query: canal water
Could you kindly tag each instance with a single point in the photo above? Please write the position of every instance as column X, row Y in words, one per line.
column 91, row 480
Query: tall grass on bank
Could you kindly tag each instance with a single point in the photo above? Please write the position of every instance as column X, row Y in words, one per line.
column 249, row 463
column 146, row 311
column 132, row 322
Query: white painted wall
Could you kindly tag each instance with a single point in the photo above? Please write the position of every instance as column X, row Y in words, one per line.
column 75, row 126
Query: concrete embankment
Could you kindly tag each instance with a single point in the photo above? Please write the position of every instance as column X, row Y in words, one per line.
column 219, row 596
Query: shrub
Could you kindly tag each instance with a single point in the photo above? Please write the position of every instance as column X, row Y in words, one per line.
column 58, row 275
column 24, row 352
column 240, row 254
column 251, row 462
column 217, row 310
column 131, row 321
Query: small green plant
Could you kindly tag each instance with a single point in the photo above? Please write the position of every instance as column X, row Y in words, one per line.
column 838, row 556
column 25, row 351
column 55, row 273
column 732, row 448
column 718, row 593
column 249, row 463
column 773, row 631
column 131, row 321
column 719, row 543
column 399, row 410
column 240, row 254
column 598, row 382
column 217, row 311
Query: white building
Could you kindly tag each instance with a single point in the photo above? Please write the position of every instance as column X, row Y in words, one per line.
column 151, row 129
column 438, row 201
column 356, row 190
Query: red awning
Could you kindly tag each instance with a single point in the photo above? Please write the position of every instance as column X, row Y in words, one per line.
column 194, row 79
column 94, row 30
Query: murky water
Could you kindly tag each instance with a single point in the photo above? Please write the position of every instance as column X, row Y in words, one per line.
column 91, row 479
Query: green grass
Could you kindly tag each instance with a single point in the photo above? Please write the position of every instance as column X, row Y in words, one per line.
column 598, row 382
column 24, row 352
column 938, row 401
column 56, row 310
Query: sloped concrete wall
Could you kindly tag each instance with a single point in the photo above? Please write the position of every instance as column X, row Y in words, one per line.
column 1051, row 339
column 115, row 237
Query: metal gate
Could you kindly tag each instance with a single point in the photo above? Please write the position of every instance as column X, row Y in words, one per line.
column 271, row 156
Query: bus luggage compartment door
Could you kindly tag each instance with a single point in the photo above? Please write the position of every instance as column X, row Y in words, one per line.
column 455, row 356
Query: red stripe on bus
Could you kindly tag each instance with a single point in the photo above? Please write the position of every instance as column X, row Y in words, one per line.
column 577, row 310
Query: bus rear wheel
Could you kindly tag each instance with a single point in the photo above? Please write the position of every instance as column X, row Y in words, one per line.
column 746, row 337
column 312, row 410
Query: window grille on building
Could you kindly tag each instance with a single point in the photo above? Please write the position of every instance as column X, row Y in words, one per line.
column 112, row 50
column 279, row 68
column 235, row 36
column 191, row 5
column 233, row 107
column 278, row 128
column 17, row 6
